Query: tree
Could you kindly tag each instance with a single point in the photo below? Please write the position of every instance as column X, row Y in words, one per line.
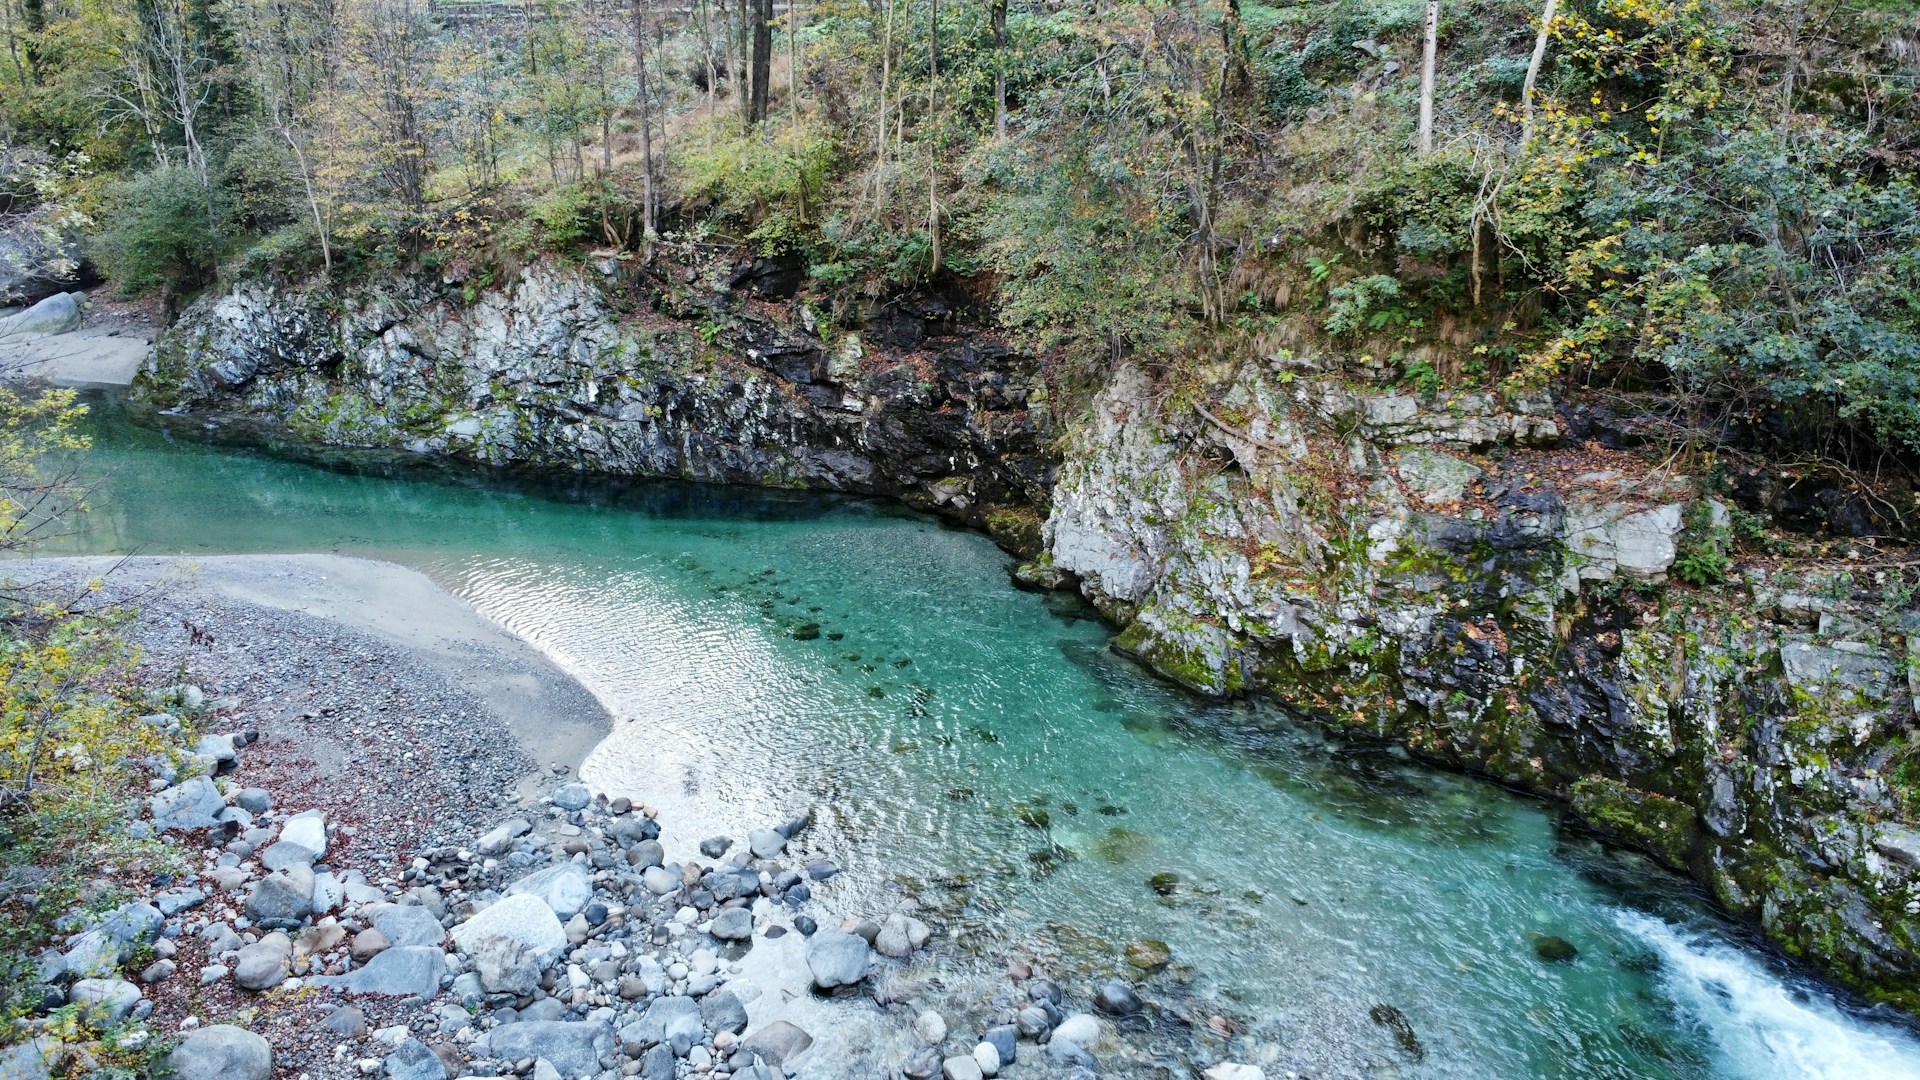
column 1429, row 56
column 1533, row 71
column 648, row 197
column 762, row 20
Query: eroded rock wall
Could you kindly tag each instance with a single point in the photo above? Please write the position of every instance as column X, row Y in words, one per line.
column 570, row 367
column 1452, row 575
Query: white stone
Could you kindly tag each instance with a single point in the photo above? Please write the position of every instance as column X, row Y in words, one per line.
column 524, row 918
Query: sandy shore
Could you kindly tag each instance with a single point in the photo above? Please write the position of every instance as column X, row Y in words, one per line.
column 554, row 720
column 107, row 349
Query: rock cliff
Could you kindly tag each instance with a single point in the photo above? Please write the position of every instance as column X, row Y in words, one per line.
column 1457, row 573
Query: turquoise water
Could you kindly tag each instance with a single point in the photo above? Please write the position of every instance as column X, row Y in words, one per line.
column 761, row 650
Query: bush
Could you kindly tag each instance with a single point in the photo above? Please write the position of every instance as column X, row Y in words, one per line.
column 162, row 234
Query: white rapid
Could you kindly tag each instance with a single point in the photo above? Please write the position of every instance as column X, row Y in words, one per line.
column 1764, row 1028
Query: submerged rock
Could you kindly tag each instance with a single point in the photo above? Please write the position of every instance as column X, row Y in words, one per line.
column 1554, row 949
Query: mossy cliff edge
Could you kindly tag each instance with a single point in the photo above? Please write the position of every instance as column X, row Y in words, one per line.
column 1464, row 574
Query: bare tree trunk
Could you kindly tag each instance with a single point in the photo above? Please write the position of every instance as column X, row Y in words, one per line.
column 999, row 69
column 1533, row 71
column 1428, row 59
column 880, row 125
column 793, row 65
column 647, row 195
column 933, row 117
column 762, row 60
column 313, row 197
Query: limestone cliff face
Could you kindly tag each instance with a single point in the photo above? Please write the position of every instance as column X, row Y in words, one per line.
column 569, row 368
column 1455, row 573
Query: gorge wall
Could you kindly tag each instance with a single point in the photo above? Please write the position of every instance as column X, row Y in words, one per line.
column 1467, row 576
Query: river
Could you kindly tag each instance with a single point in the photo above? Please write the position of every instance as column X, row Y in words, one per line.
column 982, row 747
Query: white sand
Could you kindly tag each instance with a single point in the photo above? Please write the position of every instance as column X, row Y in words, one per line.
column 554, row 717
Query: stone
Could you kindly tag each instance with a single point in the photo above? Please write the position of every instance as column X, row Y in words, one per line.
column 100, row 950
column 1899, row 844
column 402, row 971
column 253, row 800
column 408, row 925
column 502, row 837
column 1435, row 478
column 109, row 1000
column 574, row 1048
column 159, row 971
column 220, row 1052
column 566, row 888
column 524, row 918
column 57, row 314
column 315, row 940
column 837, row 959
column 282, row 900
column 1149, row 956
column 347, row 1021
column 987, row 1056
column 505, row 965
column 263, row 965
column 778, row 1042
column 659, row 881
column 930, row 1027
column 1554, row 949
column 1066, row 1053
column 192, row 804
column 1116, row 998
column 174, row 901
column 1004, row 1039
column 281, row 855
column 657, row 1063
column 572, row 796
column 1080, row 1029
column 675, row 1021
column 733, row 924
column 899, row 936
column 1614, row 537
column 412, row 1060
column 723, row 1011
column 368, row 944
column 960, row 1067
column 766, row 843
column 1228, row 1070
column 1032, row 1021
column 307, row 830
column 30, row 1060
column 715, row 846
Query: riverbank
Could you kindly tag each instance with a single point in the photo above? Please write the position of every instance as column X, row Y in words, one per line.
column 390, row 885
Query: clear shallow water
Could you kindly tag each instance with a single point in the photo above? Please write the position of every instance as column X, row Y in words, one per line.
column 939, row 714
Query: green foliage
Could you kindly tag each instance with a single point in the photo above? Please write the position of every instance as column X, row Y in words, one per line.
column 772, row 183
column 1363, row 304
column 564, row 214
column 160, row 233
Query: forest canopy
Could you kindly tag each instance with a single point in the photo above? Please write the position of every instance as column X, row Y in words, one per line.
column 1709, row 200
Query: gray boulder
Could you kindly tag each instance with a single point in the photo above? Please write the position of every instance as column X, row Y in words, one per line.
column 778, row 1042
column 283, row 899
column 404, row 971
column 572, row 797
column 109, row 1000
column 733, row 924
column 504, row 965
column 837, row 959
column 566, row 888
column 193, row 804
column 412, row 1060
column 524, row 918
column 221, row 1052
column 57, row 314
column 722, row 1011
column 101, row 950
column 30, row 1060
column 766, row 843
column 675, row 1021
column 409, row 926
column 263, row 965
column 573, row 1048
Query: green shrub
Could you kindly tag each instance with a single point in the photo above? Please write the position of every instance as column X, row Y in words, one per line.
column 160, row 234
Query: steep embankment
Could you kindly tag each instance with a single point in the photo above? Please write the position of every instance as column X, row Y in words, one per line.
column 1454, row 572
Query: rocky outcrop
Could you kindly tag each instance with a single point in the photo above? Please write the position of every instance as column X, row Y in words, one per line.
column 573, row 368
column 1455, row 580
